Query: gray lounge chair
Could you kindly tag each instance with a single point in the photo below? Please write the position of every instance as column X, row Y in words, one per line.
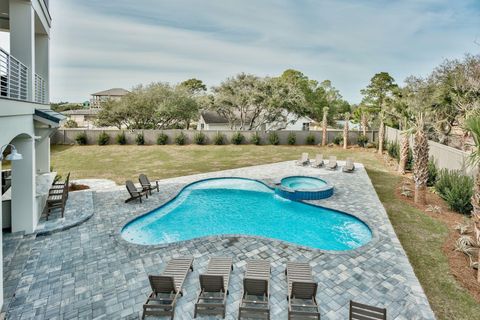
column 318, row 162
column 255, row 297
column 303, row 161
column 146, row 185
column 212, row 298
column 349, row 165
column 359, row 311
column 332, row 163
column 302, row 290
column 167, row 287
column 134, row 192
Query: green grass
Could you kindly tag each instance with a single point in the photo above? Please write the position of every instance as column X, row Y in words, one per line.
column 421, row 236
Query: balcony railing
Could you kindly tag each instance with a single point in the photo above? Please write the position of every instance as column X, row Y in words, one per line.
column 14, row 80
column 40, row 90
column 13, row 77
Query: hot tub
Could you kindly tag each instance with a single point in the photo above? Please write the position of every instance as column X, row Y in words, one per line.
column 304, row 188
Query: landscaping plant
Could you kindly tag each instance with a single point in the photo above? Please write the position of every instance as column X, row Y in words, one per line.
column 310, row 140
column 362, row 140
column 103, row 139
column 200, row 138
column 292, row 138
column 338, row 139
column 237, row 138
column 140, row 139
column 273, row 138
column 180, row 139
column 81, row 138
column 121, row 138
column 255, row 139
column 219, row 139
column 162, row 138
column 456, row 189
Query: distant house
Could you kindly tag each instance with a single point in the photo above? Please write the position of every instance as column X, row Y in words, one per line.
column 85, row 118
column 211, row 120
column 114, row 93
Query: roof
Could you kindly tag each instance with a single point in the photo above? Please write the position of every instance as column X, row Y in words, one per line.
column 89, row 111
column 49, row 117
column 111, row 92
column 213, row 117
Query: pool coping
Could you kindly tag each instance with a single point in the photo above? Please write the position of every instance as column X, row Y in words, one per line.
column 142, row 247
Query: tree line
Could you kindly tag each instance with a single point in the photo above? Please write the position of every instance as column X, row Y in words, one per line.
column 247, row 101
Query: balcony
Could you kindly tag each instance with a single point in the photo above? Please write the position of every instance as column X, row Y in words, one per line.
column 14, row 81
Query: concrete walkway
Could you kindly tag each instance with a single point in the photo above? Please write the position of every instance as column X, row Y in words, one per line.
column 90, row 272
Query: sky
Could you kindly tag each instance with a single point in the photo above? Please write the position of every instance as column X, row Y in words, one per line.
column 96, row 45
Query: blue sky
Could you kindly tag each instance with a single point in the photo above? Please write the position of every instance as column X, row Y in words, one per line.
column 101, row 44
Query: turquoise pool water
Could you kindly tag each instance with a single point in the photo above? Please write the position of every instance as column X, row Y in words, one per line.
column 228, row 206
column 303, row 183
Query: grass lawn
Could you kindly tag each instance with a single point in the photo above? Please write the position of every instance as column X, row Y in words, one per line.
column 421, row 236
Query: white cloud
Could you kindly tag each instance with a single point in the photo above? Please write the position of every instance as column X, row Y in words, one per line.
column 98, row 45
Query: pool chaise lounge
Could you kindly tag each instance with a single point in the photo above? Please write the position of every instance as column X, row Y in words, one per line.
column 349, row 165
column 359, row 311
column 167, row 287
column 255, row 297
column 332, row 163
column 146, row 185
column 303, row 161
column 214, row 282
column 318, row 162
column 134, row 192
column 302, row 291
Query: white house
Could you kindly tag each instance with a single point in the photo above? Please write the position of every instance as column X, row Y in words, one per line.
column 211, row 120
column 85, row 118
column 26, row 121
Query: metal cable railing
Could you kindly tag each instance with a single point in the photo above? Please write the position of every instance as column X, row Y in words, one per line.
column 13, row 77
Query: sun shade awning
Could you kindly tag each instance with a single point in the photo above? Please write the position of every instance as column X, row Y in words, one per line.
column 49, row 117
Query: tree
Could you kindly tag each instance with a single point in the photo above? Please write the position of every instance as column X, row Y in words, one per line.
column 249, row 102
column 379, row 94
column 324, row 126
column 194, row 86
column 345, row 130
column 417, row 96
column 472, row 124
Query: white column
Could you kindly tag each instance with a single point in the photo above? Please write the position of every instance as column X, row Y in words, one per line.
column 42, row 60
column 24, row 216
column 22, row 39
column 42, row 155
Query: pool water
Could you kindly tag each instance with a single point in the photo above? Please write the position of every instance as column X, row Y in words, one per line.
column 303, row 183
column 234, row 206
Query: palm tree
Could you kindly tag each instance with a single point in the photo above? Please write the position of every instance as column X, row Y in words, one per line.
column 364, row 121
column 324, row 126
column 472, row 125
column 420, row 160
column 345, row 130
column 404, row 149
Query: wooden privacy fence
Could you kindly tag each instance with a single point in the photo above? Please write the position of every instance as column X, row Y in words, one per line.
column 67, row 136
column 445, row 157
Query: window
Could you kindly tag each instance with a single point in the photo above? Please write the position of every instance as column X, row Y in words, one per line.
column 306, row 126
column 202, row 126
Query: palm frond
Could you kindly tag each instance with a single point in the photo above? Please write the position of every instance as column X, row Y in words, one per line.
column 472, row 124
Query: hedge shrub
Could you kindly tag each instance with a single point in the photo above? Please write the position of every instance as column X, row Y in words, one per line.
column 181, row 139
column 103, row 139
column 310, row 139
column 456, row 189
column 292, row 138
column 237, row 138
column 162, row 139
column 200, row 138
column 81, row 138
column 121, row 138
column 256, row 139
column 273, row 138
column 140, row 139
column 219, row 139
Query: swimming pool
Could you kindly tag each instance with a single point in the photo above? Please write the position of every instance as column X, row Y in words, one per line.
column 236, row 206
column 303, row 183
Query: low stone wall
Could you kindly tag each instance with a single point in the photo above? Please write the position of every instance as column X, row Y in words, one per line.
column 67, row 136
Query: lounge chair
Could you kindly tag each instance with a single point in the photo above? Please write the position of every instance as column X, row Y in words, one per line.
column 167, row 287
column 332, row 163
column 255, row 297
column 302, row 290
column 134, row 192
column 360, row 311
column 146, row 185
column 212, row 298
column 349, row 165
column 318, row 162
column 57, row 199
column 303, row 161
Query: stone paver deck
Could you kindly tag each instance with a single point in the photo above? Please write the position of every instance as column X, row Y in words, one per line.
column 90, row 272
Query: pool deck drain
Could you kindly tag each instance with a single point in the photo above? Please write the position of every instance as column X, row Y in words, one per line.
column 90, row 272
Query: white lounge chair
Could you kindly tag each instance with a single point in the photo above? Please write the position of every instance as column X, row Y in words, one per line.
column 303, row 161
column 332, row 163
column 349, row 165
column 318, row 162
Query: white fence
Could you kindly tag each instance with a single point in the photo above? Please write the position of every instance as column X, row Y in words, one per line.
column 444, row 156
column 67, row 136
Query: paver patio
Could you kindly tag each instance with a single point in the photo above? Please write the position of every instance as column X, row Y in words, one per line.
column 89, row 271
